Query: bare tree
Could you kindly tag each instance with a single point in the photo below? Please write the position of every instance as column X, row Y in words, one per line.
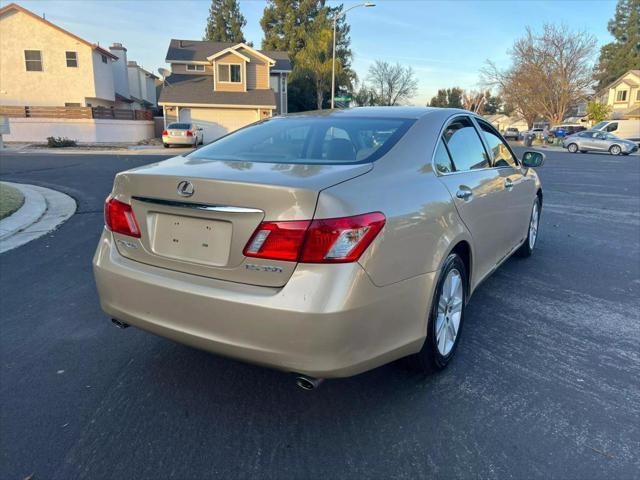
column 392, row 84
column 474, row 101
column 549, row 72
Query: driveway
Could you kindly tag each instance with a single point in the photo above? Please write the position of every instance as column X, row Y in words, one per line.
column 546, row 383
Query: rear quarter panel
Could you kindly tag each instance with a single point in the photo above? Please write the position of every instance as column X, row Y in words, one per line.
column 422, row 223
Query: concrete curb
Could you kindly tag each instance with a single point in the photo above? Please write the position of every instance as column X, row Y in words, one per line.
column 43, row 211
column 30, row 212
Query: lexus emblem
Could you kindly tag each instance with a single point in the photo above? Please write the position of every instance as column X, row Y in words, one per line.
column 185, row 188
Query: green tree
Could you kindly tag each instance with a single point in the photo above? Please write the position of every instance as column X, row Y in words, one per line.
column 597, row 111
column 493, row 103
column 440, row 100
column 623, row 54
column 225, row 22
column 447, row 98
column 291, row 26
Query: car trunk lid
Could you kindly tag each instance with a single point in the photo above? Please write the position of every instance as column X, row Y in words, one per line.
column 196, row 216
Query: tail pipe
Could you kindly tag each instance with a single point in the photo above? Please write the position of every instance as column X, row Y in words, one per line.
column 308, row 383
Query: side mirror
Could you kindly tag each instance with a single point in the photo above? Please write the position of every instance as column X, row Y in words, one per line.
column 533, row 159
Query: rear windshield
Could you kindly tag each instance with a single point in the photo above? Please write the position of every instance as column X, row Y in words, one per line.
column 179, row 126
column 309, row 140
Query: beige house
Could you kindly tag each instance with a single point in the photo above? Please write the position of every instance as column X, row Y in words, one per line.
column 223, row 86
column 623, row 96
column 43, row 64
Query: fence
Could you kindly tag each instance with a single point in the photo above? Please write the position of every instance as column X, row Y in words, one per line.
column 102, row 113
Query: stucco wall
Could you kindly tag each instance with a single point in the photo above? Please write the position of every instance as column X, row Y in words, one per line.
column 82, row 130
column 135, row 88
column 103, row 77
column 57, row 83
column 120, row 76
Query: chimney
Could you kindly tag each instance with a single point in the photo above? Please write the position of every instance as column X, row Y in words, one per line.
column 117, row 46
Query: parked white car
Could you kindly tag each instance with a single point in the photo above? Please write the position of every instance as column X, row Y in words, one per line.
column 182, row 133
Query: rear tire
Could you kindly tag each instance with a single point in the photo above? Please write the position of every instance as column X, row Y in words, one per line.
column 615, row 150
column 165, row 145
column 445, row 320
column 526, row 250
column 572, row 147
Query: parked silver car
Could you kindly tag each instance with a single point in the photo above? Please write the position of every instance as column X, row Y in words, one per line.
column 182, row 133
column 597, row 141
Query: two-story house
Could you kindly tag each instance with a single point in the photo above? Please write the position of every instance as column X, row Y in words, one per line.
column 623, row 96
column 223, row 86
column 43, row 64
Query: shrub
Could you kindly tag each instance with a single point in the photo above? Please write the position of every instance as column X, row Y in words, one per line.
column 57, row 142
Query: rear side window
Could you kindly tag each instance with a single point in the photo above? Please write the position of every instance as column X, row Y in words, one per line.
column 309, row 140
column 179, row 126
column 465, row 146
column 502, row 156
column 442, row 159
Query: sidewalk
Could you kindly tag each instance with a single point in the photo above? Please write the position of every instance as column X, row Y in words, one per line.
column 43, row 210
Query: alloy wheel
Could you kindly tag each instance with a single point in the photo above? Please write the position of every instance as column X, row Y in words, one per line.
column 533, row 226
column 449, row 312
column 615, row 150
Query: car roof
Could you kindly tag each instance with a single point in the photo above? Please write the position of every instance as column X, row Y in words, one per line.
column 382, row 112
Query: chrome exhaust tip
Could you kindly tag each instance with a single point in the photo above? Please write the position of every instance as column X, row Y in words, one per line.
column 120, row 324
column 308, row 383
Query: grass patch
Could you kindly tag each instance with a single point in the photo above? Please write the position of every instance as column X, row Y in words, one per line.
column 10, row 200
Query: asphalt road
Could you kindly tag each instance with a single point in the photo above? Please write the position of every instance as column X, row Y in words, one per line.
column 546, row 383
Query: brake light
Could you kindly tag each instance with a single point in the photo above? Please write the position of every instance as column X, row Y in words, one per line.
column 164, row 133
column 333, row 240
column 189, row 133
column 119, row 218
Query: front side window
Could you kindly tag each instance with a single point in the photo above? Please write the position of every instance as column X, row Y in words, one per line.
column 229, row 73
column 612, row 127
column 502, row 156
column 33, row 60
column 309, row 140
column 72, row 59
column 465, row 146
column 621, row 96
column 195, row 68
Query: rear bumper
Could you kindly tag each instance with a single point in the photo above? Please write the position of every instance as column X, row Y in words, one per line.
column 327, row 321
column 170, row 140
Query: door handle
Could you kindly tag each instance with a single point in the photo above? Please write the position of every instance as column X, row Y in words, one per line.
column 463, row 194
column 508, row 184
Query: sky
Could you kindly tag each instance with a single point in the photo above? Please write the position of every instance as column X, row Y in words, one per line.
column 445, row 42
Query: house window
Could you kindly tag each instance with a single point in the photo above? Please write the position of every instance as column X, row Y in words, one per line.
column 72, row 104
column 104, row 58
column 638, row 95
column 33, row 60
column 72, row 59
column 284, row 83
column 195, row 68
column 621, row 96
column 229, row 73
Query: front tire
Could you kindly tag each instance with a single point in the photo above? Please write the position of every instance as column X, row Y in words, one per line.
column 444, row 324
column 526, row 250
column 615, row 150
column 572, row 147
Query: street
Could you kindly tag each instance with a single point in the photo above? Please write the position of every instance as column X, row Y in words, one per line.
column 545, row 384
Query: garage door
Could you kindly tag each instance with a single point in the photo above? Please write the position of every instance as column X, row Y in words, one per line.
column 220, row 121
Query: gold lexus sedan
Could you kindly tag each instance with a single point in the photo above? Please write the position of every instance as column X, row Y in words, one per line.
column 322, row 244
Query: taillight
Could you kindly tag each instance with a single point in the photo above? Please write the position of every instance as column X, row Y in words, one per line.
column 164, row 133
column 119, row 218
column 189, row 133
column 333, row 240
column 339, row 240
column 277, row 240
